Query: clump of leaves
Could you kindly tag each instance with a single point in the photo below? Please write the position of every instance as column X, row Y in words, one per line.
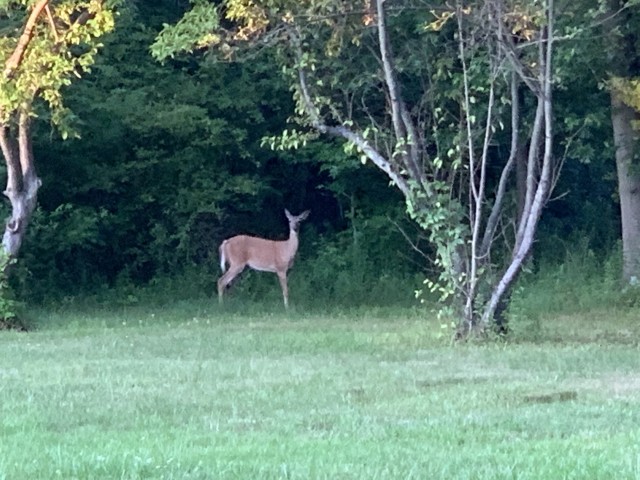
column 9, row 306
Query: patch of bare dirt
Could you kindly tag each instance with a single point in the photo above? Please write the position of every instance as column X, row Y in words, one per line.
column 614, row 384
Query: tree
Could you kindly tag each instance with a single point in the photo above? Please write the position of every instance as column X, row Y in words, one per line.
column 620, row 19
column 57, row 41
column 423, row 98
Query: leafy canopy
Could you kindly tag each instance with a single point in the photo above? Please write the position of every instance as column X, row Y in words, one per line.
column 62, row 45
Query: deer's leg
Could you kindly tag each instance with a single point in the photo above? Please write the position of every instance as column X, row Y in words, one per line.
column 227, row 278
column 282, row 276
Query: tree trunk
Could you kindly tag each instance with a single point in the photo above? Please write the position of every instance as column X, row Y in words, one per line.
column 625, row 139
column 23, row 203
column 521, row 182
column 22, row 182
column 538, row 184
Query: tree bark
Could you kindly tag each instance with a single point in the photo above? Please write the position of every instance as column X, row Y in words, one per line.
column 625, row 139
column 521, row 182
column 22, row 183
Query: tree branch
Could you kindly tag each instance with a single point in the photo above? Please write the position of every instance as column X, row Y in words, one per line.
column 404, row 128
column 494, row 216
column 24, row 145
column 9, row 151
column 414, row 245
column 372, row 154
column 52, row 23
column 341, row 131
column 15, row 59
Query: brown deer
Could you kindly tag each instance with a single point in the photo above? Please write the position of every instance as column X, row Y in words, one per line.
column 260, row 254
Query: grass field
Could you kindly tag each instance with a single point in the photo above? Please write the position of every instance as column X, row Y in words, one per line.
column 193, row 392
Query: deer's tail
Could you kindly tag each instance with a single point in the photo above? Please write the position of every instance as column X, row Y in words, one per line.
column 223, row 260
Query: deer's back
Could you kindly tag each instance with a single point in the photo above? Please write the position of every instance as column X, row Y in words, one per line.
column 259, row 253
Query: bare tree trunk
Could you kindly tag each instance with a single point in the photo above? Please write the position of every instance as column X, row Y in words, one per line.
column 23, row 204
column 623, row 57
column 22, row 183
column 625, row 139
column 537, row 194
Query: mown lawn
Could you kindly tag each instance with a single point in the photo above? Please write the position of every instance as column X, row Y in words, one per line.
column 194, row 392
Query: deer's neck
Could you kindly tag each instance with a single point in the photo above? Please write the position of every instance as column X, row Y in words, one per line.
column 292, row 242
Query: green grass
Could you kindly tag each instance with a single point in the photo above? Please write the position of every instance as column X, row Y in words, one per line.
column 188, row 391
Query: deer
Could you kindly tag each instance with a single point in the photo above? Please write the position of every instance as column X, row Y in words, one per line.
column 260, row 254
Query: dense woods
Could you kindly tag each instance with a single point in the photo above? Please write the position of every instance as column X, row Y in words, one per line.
column 234, row 125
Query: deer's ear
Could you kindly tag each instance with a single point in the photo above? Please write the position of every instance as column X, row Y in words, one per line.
column 288, row 214
column 304, row 214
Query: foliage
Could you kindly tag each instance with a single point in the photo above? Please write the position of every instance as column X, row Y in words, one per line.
column 9, row 306
column 171, row 159
column 54, row 56
column 55, row 42
column 387, row 95
column 628, row 91
column 353, row 268
column 323, row 61
column 580, row 284
column 157, row 169
column 169, row 162
column 200, row 22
